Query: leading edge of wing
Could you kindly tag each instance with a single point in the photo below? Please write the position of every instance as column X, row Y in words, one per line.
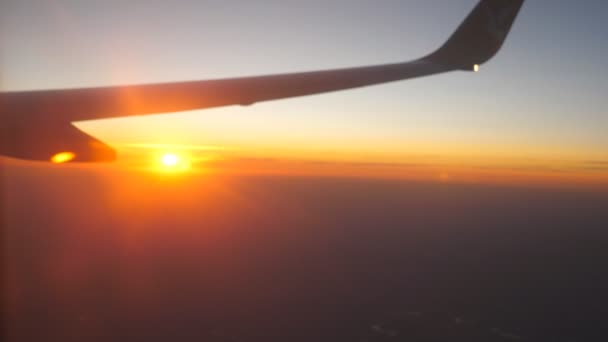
column 132, row 100
column 475, row 41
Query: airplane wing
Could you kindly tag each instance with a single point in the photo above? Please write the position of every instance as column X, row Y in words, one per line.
column 37, row 124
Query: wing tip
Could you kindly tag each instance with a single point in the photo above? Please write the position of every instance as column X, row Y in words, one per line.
column 480, row 36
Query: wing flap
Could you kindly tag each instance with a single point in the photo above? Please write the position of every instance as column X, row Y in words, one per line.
column 53, row 141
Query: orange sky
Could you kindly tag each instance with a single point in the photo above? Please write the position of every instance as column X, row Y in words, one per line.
column 203, row 161
column 140, row 143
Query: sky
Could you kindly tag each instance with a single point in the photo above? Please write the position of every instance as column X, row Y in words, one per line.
column 539, row 104
column 306, row 217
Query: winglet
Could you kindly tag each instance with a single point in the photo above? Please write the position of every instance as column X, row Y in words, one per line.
column 480, row 35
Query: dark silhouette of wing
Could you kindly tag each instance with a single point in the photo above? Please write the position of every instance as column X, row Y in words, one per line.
column 475, row 41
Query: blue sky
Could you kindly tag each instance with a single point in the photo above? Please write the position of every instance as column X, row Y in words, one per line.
column 542, row 96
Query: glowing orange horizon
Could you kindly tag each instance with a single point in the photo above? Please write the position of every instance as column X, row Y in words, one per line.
column 455, row 164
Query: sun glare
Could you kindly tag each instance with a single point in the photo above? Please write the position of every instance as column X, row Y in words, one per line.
column 170, row 161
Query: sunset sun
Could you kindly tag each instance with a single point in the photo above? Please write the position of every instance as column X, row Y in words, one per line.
column 170, row 161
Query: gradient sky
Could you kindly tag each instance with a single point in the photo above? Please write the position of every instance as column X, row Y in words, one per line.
column 542, row 98
column 101, row 252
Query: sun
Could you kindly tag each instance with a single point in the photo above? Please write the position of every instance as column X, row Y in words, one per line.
column 173, row 162
column 170, row 159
